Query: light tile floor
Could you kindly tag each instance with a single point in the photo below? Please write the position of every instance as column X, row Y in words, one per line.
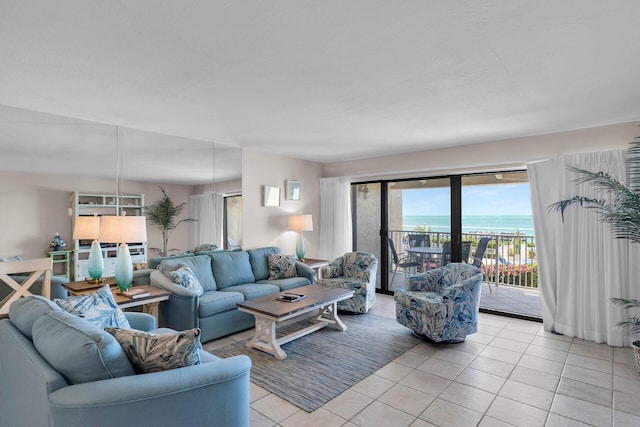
column 511, row 372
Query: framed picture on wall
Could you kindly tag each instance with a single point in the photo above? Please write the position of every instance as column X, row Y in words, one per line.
column 271, row 196
column 293, row 190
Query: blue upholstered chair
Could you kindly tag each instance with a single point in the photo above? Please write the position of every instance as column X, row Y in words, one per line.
column 441, row 304
column 356, row 271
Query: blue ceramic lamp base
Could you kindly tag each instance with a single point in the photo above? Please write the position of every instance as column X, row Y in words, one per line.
column 124, row 268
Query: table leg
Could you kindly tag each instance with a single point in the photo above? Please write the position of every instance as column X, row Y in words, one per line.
column 152, row 309
column 329, row 314
column 265, row 338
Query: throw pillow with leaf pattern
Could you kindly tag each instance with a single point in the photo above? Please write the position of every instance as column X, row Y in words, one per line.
column 149, row 352
column 281, row 266
column 99, row 308
column 184, row 276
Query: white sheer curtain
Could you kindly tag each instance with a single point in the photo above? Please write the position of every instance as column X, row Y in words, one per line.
column 580, row 264
column 335, row 217
column 207, row 210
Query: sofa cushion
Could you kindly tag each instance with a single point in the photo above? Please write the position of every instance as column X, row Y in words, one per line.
column 149, row 352
column 98, row 308
column 184, row 277
column 281, row 266
column 24, row 312
column 286, row 284
column 232, row 268
column 214, row 302
column 79, row 350
column 252, row 290
column 259, row 261
column 200, row 265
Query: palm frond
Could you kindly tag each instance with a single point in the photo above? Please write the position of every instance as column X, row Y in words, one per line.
column 632, row 323
column 626, row 303
column 562, row 205
column 633, row 165
column 164, row 215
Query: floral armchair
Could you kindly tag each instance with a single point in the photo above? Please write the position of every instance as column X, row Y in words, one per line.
column 356, row 271
column 441, row 304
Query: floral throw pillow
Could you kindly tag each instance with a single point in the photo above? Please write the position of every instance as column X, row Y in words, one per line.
column 98, row 308
column 281, row 266
column 149, row 352
column 184, row 276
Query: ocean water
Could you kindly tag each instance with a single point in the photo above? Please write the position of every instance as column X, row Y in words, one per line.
column 472, row 223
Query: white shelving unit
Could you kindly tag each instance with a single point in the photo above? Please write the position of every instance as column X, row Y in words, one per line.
column 85, row 204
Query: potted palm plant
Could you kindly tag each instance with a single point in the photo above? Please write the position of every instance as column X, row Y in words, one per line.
column 164, row 215
column 620, row 207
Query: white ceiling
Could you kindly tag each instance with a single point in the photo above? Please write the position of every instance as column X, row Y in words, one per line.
column 322, row 80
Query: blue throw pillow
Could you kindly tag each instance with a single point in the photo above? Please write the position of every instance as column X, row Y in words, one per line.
column 183, row 276
column 99, row 308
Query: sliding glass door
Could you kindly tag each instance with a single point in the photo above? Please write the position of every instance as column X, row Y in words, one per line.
column 367, row 219
column 482, row 219
column 419, row 227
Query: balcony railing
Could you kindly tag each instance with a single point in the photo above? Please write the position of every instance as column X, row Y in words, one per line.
column 510, row 259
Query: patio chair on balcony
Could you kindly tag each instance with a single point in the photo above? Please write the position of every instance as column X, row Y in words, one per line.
column 404, row 262
column 466, row 251
column 480, row 250
column 419, row 240
column 446, row 254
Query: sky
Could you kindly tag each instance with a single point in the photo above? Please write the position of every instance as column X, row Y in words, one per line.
column 504, row 199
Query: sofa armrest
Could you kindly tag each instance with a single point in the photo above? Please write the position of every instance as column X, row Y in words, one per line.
column 200, row 394
column 142, row 277
column 159, row 279
column 140, row 321
column 303, row 270
column 180, row 312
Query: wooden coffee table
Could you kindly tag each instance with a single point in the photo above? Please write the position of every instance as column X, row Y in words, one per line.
column 268, row 311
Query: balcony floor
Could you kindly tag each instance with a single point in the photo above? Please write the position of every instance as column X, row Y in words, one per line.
column 512, row 300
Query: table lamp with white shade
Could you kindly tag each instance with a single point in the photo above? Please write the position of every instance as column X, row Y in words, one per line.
column 300, row 223
column 88, row 228
column 123, row 230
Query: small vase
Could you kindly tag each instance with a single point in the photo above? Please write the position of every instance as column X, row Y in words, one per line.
column 57, row 248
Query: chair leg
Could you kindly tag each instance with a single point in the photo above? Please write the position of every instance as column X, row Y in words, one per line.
column 394, row 275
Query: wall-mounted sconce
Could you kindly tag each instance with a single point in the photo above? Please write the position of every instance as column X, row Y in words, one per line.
column 363, row 189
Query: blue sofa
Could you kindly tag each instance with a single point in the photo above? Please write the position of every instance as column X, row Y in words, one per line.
column 99, row 392
column 228, row 277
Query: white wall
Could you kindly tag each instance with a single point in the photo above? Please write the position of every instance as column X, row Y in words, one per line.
column 487, row 156
column 267, row 226
column 35, row 207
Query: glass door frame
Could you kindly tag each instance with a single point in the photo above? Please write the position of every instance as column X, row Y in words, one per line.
column 455, row 185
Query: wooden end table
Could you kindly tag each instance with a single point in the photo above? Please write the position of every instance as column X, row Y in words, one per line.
column 149, row 303
column 268, row 312
column 316, row 265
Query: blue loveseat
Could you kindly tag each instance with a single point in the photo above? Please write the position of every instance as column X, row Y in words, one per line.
column 227, row 277
column 94, row 383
